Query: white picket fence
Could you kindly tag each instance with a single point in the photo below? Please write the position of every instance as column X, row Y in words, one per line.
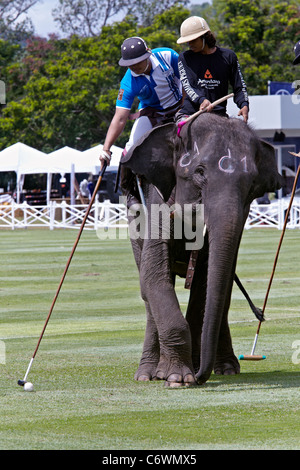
column 273, row 215
column 63, row 215
column 107, row 215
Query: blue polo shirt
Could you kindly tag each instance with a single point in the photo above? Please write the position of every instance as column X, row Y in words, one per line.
column 161, row 90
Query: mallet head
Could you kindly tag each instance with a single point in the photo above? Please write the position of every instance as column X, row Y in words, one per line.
column 251, row 357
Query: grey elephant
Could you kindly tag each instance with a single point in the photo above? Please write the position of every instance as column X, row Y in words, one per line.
column 221, row 164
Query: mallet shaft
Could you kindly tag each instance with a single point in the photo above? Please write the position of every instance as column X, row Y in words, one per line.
column 66, row 269
column 28, row 369
column 278, row 250
column 254, row 344
column 215, row 103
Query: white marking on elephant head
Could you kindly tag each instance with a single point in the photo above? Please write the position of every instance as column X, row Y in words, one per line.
column 196, row 149
column 186, row 158
column 226, row 164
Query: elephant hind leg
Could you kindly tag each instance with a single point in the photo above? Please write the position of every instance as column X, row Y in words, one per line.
column 196, row 309
column 226, row 362
column 230, row 366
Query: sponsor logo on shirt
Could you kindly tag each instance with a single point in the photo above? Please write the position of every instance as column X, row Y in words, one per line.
column 120, row 95
column 208, row 81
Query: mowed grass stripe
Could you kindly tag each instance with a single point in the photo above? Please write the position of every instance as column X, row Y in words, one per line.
column 86, row 397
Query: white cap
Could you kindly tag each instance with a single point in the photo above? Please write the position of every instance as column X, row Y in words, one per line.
column 192, row 28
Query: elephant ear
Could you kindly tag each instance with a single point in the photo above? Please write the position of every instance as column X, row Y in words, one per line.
column 268, row 179
column 152, row 157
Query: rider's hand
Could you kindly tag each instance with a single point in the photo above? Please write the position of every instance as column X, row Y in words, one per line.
column 244, row 112
column 105, row 156
column 206, row 106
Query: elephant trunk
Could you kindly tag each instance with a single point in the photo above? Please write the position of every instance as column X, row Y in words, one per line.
column 224, row 234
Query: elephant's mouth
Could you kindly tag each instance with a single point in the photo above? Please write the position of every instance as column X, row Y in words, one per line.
column 190, row 218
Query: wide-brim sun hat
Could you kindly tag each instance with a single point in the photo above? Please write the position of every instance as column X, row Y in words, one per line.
column 192, row 28
column 133, row 51
column 297, row 53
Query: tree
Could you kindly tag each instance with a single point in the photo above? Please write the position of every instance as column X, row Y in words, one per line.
column 11, row 24
column 201, row 10
column 59, row 106
column 63, row 91
column 145, row 11
column 262, row 33
column 87, row 17
column 69, row 95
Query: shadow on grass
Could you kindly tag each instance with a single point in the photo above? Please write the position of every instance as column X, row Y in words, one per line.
column 274, row 379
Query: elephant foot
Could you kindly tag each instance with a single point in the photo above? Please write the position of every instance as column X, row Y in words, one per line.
column 182, row 376
column 175, row 375
column 229, row 366
column 146, row 371
column 177, row 380
column 143, row 378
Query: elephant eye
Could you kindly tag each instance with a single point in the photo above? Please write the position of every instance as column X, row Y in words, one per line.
column 199, row 176
column 199, row 171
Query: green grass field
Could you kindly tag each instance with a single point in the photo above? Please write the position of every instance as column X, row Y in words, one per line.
column 85, row 395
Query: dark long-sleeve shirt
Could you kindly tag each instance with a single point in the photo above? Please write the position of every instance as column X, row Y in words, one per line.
column 207, row 76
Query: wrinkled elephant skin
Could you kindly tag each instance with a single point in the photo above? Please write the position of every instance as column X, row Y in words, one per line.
column 221, row 164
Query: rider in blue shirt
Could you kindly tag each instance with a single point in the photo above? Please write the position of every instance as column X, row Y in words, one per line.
column 153, row 78
column 160, row 89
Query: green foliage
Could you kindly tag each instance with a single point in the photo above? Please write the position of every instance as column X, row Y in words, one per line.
column 64, row 94
column 262, row 33
column 67, row 88
column 63, row 91
column 165, row 28
column 7, row 52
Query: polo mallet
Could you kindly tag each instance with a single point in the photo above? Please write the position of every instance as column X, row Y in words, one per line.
column 252, row 356
column 22, row 382
column 201, row 111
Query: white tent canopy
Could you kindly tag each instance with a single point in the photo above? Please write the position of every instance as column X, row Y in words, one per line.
column 61, row 161
column 25, row 160
column 19, row 156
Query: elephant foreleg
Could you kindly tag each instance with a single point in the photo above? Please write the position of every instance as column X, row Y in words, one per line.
column 151, row 351
column 157, row 288
column 175, row 364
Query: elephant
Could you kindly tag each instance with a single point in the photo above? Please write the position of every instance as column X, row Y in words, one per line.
column 220, row 164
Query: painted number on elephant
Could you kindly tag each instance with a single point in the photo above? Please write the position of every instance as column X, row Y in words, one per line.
column 187, row 158
column 228, row 165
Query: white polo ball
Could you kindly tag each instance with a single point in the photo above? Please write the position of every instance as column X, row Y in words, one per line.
column 28, row 387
